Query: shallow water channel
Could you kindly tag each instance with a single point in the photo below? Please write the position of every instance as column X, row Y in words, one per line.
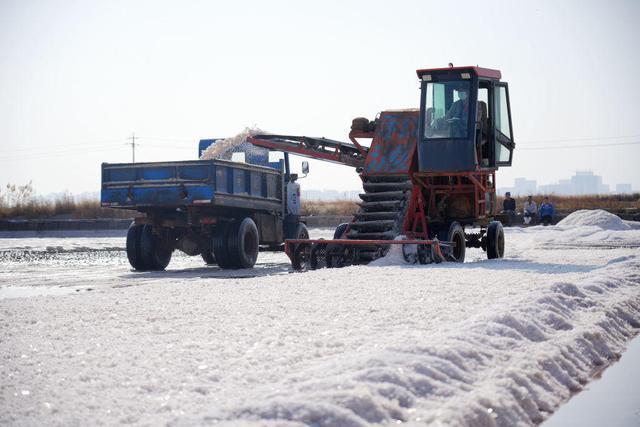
column 612, row 400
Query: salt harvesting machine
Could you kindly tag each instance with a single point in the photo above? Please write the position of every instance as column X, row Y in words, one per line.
column 427, row 174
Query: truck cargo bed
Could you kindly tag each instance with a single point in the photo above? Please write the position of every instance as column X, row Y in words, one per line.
column 202, row 183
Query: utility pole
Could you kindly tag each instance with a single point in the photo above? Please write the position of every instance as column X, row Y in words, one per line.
column 133, row 146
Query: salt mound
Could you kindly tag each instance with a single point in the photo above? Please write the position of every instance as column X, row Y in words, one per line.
column 394, row 256
column 225, row 148
column 597, row 217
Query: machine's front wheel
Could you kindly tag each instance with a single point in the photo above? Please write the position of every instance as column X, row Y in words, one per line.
column 302, row 232
column 133, row 246
column 155, row 254
column 301, row 256
column 243, row 244
column 495, row 240
column 456, row 235
column 340, row 229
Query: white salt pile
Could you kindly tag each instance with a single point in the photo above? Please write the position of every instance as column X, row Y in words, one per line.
column 597, row 218
column 225, row 148
column 394, row 256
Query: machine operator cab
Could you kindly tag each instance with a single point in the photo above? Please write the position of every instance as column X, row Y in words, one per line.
column 465, row 120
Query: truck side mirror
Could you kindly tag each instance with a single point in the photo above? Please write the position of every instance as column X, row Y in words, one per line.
column 305, row 167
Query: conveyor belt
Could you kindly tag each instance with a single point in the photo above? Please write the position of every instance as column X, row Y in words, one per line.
column 330, row 150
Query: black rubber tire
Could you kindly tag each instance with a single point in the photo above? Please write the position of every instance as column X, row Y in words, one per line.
column 243, row 244
column 155, row 255
column 220, row 251
column 456, row 235
column 207, row 256
column 495, row 240
column 301, row 257
column 301, row 231
column 133, row 247
column 340, row 229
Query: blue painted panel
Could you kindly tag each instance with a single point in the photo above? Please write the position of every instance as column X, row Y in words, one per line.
column 239, row 181
column 157, row 173
column 117, row 175
column 256, row 183
column 159, row 196
column 272, row 186
column 191, row 172
column 221, row 179
column 446, row 155
column 393, row 146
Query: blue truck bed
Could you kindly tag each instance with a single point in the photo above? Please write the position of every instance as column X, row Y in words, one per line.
column 213, row 183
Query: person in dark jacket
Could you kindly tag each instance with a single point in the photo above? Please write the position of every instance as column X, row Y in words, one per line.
column 546, row 212
column 509, row 204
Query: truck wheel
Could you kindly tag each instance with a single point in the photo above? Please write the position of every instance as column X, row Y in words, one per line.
column 220, row 251
column 456, row 235
column 155, row 254
column 133, row 246
column 207, row 256
column 301, row 231
column 243, row 244
column 495, row 240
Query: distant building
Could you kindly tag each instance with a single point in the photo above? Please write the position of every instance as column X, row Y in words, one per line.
column 582, row 183
column 623, row 189
column 523, row 186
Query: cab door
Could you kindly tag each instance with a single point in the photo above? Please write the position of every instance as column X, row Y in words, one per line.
column 504, row 144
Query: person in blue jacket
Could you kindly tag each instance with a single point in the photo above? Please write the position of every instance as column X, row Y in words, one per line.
column 546, row 212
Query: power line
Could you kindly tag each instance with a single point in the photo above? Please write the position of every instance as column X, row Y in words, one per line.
column 39, row 148
column 594, row 138
column 559, row 147
column 71, row 153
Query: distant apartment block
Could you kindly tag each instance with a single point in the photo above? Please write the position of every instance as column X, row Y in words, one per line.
column 582, row 183
column 623, row 189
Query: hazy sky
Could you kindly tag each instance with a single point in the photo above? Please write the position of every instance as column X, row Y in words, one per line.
column 78, row 77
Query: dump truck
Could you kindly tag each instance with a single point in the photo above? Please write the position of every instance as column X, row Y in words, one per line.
column 225, row 211
column 428, row 174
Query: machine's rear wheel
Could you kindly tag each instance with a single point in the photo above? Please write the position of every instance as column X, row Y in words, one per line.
column 155, row 253
column 220, row 251
column 456, row 235
column 243, row 244
column 495, row 240
column 133, row 246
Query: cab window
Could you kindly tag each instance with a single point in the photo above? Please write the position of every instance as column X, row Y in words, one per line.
column 447, row 109
column 502, row 113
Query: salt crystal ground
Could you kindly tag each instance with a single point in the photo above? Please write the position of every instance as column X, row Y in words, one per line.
column 487, row 342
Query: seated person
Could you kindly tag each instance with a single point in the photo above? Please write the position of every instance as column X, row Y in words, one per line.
column 509, row 204
column 530, row 210
column 546, row 212
column 454, row 123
